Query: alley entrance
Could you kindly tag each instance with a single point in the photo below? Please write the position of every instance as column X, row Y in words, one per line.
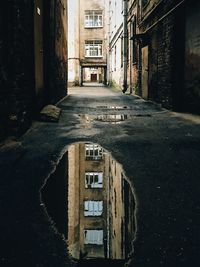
column 93, row 74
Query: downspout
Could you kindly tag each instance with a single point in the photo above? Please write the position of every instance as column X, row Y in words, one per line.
column 125, row 44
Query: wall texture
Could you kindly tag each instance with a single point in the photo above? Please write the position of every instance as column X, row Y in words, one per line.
column 20, row 100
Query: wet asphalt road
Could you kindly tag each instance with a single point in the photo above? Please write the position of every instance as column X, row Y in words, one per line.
column 159, row 151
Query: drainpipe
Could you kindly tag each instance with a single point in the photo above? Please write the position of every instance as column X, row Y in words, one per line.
column 125, row 44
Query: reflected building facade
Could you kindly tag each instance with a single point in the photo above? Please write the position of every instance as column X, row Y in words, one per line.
column 101, row 223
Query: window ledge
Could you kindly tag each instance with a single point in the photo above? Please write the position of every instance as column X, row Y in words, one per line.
column 93, row 56
column 93, row 27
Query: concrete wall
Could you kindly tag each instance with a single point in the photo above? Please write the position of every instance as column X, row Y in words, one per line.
column 73, row 43
column 115, row 43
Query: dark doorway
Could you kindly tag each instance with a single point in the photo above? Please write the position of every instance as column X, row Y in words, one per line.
column 93, row 77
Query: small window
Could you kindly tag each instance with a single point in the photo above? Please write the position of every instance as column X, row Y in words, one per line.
column 94, row 237
column 93, row 18
column 93, row 180
column 93, row 48
column 94, row 152
column 93, row 208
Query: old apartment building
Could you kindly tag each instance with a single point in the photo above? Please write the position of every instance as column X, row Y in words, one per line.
column 87, row 56
column 101, row 219
column 154, row 50
column 33, row 56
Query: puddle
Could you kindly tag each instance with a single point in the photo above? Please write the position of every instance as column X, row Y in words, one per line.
column 92, row 204
column 114, row 107
column 111, row 118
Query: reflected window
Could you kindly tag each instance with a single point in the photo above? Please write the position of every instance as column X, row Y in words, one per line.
column 93, row 151
column 94, row 237
column 93, row 208
column 93, row 179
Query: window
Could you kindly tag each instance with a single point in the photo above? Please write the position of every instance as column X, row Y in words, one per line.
column 94, row 237
column 93, row 208
column 93, row 180
column 93, row 18
column 93, row 151
column 93, row 48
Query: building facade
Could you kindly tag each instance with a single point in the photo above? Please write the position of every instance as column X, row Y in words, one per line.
column 159, row 51
column 87, row 46
column 33, row 55
column 115, row 33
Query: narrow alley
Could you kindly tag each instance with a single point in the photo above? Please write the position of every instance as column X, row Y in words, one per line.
column 100, row 133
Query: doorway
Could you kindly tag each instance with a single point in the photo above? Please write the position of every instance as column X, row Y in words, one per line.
column 93, row 77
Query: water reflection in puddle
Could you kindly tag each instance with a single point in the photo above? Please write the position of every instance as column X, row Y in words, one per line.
column 111, row 118
column 114, row 107
column 99, row 216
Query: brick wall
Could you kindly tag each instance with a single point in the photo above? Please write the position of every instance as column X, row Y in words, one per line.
column 166, row 55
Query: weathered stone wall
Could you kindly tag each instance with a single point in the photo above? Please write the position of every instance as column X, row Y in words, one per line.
column 18, row 98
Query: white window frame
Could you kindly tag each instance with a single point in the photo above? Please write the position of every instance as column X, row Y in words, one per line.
column 93, row 19
column 94, row 48
column 93, row 151
column 93, row 237
column 94, row 180
column 93, row 208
